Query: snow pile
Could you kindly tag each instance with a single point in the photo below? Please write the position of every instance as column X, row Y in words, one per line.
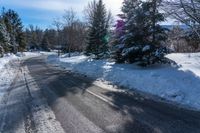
column 6, row 59
column 9, row 65
column 7, row 73
column 188, row 62
column 26, row 55
column 180, row 84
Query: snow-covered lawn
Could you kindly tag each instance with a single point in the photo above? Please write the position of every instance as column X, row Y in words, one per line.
column 6, row 73
column 9, row 66
column 175, row 83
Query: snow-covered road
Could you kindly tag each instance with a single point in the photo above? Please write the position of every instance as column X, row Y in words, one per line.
column 22, row 108
column 47, row 99
column 83, row 107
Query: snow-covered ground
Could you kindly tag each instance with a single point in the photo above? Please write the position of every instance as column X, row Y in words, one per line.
column 180, row 84
column 29, row 107
column 9, row 66
column 6, row 73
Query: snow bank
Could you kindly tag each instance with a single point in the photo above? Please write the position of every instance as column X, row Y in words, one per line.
column 9, row 65
column 6, row 59
column 6, row 73
column 188, row 62
column 180, row 84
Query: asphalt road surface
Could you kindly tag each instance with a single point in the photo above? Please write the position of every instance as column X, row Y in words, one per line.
column 46, row 99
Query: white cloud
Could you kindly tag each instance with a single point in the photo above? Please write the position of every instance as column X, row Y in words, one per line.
column 42, row 12
column 51, row 5
column 114, row 5
column 60, row 5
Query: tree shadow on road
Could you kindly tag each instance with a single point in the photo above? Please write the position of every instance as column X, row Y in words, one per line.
column 158, row 116
column 143, row 115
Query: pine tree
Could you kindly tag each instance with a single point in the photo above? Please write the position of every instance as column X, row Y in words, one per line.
column 1, row 51
column 46, row 40
column 143, row 36
column 15, row 29
column 34, row 37
column 97, row 40
column 4, row 38
column 117, row 46
column 45, row 43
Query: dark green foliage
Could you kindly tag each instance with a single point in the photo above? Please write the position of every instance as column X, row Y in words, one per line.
column 1, row 51
column 97, row 42
column 14, row 28
column 34, row 37
column 49, row 39
column 4, row 38
column 143, row 35
column 45, row 43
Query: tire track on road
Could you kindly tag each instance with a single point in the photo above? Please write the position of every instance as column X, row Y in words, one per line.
column 29, row 121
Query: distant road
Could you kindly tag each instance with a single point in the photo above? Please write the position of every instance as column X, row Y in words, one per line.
column 46, row 99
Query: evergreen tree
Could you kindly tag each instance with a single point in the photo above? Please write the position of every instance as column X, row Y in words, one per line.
column 117, row 46
column 1, row 51
column 45, row 43
column 143, row 35
column 4, row 38
column 15, row 29
column 34, row 37
column 97, row 40
column 49, row 39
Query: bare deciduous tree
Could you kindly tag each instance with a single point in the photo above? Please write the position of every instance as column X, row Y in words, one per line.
column 69, row 21
column 58, row 24
column 176, row 40
column 185, row 11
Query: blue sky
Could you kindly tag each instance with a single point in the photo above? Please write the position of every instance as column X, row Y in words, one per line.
column 43, row 12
